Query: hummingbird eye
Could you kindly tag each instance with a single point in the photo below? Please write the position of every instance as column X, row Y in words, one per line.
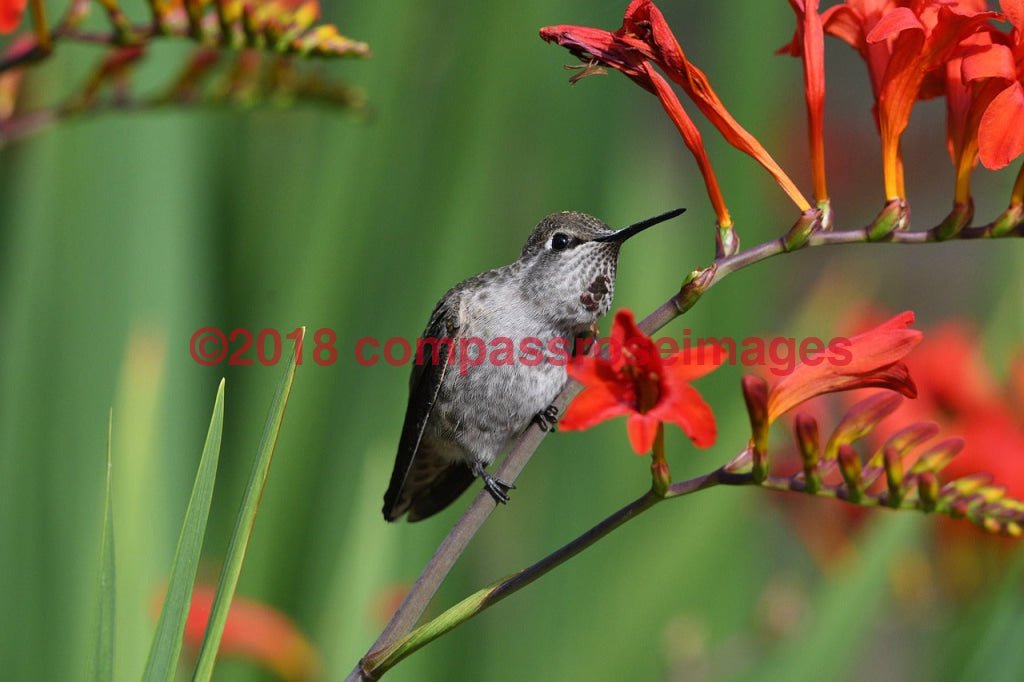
column 560, row 241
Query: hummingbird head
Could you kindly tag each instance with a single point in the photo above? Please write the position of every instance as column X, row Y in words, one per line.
column 569, row 265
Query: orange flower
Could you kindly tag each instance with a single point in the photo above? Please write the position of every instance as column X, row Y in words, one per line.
column 957, row 389
column 902, row 41
column 809, row 43
column 871, row 359
column 10, row 14
column 613, row 50
column 973, row 79
column 1001, row 132
column 651, row 35
column 255, row 631
column 957, row 395
column 645, row 38
column 636, row 381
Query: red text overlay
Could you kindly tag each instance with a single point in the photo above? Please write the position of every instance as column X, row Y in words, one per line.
column 779, row 354
column 209, row 346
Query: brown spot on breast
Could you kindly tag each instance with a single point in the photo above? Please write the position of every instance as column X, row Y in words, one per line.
column 589, row 303
column 599, row 286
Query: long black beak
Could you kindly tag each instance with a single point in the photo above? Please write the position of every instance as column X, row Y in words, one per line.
column 627, row 232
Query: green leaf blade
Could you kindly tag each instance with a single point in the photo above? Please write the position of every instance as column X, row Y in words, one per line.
column 101, row 667
column 245, row 521
column 166, row 646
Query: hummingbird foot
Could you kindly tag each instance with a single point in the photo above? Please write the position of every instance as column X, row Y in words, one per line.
column 495, row 486
column 547, row 419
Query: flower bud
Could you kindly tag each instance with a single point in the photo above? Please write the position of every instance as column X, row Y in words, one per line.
column 938, row 456
column 959, row 218
column 755, row 393
column 1008, row 221
column 861, row 419
column 808, row 224
column 895, row 216
column 893, row 476
column 810, row 450
column 928, row 490
column 850, row 468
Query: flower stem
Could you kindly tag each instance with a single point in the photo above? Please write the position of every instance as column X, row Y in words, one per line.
column 661, row 477
column 378, row 662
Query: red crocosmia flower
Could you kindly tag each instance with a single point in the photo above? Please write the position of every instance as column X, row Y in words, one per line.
column 10, row 14
column 809, row 43
column 902, row 41
column 636, row 381
column 651, row 35
column 871, row 359
column 645, row 38
column 615, row 51
column 957, row 390
column 973, row 80
column 255, row 631
column 1001, row 132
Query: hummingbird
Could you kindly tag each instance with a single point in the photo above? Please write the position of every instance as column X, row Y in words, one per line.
column 465, row 408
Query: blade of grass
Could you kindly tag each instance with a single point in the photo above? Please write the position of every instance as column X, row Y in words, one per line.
column 101, row 668
column 163, row 653
column 245, row 521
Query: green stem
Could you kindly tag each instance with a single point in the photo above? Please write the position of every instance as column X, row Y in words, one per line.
column 661, row 477
column 377, row 663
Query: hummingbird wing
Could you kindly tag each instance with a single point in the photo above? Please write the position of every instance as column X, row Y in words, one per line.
column 424, row 481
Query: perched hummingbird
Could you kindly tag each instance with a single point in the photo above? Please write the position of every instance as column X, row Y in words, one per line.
column 464, row 406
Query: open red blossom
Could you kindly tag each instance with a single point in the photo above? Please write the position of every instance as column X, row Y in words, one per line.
column 902, row 42
column 10, row 14
column 637, row 382
column 255, row 631
column 871, row 359
column 1001, row 131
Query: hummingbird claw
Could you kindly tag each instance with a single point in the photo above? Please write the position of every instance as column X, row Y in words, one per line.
column 547, row 419
column 495, row 486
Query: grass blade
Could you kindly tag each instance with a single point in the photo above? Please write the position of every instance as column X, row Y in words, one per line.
column 245, row 521
column 163, row 654
column 101, row 668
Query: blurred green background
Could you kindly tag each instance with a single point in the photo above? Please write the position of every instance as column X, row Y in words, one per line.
column 122, row 235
